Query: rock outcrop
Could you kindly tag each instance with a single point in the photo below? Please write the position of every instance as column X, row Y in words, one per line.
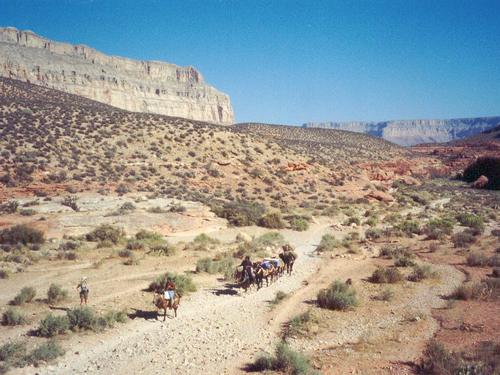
column 139, row 86
column 412, row 132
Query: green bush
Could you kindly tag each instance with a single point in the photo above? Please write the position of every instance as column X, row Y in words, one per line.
column 27, row 212
column 437, row 229
column 83, row 318
column 13, row 354
column 477, row 260
column 463, row 239
column 299, row 324
column 27, row 294
column 45, row 352
column 225, row 265
column 106, row 232
column 258, row 245
column 352, row 220
column 240, row 213
column 148, row 235
column 409, row 227
column 4, row 273
column 484, row 166
column 12, row 317
column 284, row 360
column 183, row 283
column 125, row 253
column 279, row 297
column 56, row 294
column 471, row 221
column 272, row 220
column 327, row 243
column 53, row 325
column 338, row 296
column 404, row 261
column 21, row 234
column 299, row 224
column 135, row 245
column 387, row 275
column 395, row 252
column 387, row 294
column 373, row 234
column 163, row 249
column 113, row 316
column 202, row 242
column 422, row 272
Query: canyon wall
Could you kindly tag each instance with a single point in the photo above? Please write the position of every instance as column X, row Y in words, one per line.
column 411, row 132
column 139, row 86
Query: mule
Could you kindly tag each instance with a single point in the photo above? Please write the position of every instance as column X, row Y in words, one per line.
column 247, row 280
column 262, row 274
column 289, row 259
column 162, row 303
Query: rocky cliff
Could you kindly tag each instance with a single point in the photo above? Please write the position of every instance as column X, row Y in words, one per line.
column 139, row 86
column 411, row 132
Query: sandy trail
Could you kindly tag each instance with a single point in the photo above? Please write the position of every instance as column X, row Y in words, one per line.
column 216, row 330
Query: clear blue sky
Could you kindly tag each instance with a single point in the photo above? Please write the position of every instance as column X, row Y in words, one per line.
column 293, row 61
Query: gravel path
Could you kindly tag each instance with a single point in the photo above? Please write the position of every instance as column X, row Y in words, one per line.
column 215, row 331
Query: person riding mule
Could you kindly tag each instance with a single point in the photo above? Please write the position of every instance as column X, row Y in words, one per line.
column 84, row 290
column 248, row 272
column 167, row 298
column 288, row 256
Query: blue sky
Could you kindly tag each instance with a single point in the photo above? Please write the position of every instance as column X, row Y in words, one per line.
column 288, row 61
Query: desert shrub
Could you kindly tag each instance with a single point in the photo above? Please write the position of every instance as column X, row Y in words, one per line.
column 135, row 245
column 21, row 234
column 476, row 259
column 387, row 294
column 56, row 294
column 71, row 202
column 24, row 296
column 131, row 261
column 177, row 208
column 272, row 220
column 279, row 297
column 387, row 275
column 27, row 212
column 148, row 235
column 127, row 206
column 436, row 229
column 224, row 265
column 395, row 252
column 157, row 210
column 113, row 316
column 463, row 239
column 467, row 292
column 404, row 261
column 83, row 318
column 327, row 243
column 106, row 232
column 299, row 223
column 471, row 221
column 184, row 283
column 352, row 220
column 258, row 245
column 12, row 317
column 338, row 296
column 409, row 227
column 163, row 249
column 373, row 234
column 69, row 245
column 125, row 253
column 13, row 354
column 299, row 324
column 285, row 360
column 422, row 272
column 45, row 352
column 9, row 207
column 495, row 272
column 53, row 325
column 202, row 242
column 240, row 213
column 487, row 166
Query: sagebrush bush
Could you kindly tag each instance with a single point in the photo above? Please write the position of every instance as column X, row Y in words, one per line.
column 106, row 232
column 27, row 294
column 279, row 297
column 53, row 325
column 12, row 317
column 299, row 324
column 299, row 224
column 387, row 294
column 83, row 318
column 373, row 234
column 488, row 166
column 422, row 272
column 4, row 273
column 471, row 221
column 272, row 220
column 409, row 227
column 45, row 352
column 437, row 229
column 404, row 261
column 476, row 259
column 387, row 275
column 327, row 243
column 21, row 234
column 184, row 283
column 148, row 235
column 13, row 353
column 338, row 296
column 163, row 249
column 240, row 213
column 56, row 294
column 463, row 239
column 225, row 265
column 284, row 360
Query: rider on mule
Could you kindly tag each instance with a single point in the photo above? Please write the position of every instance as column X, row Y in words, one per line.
column 247, row 269
column 169, row 292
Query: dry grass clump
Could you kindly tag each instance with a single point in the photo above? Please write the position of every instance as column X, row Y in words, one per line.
column 386, row 275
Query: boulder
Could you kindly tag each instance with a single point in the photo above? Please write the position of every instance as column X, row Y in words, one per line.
column 481, row 182
column 380, row 196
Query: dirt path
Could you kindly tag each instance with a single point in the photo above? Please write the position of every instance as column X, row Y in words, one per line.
column 217, row 330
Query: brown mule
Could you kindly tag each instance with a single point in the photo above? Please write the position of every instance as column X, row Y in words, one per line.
column 162, row 303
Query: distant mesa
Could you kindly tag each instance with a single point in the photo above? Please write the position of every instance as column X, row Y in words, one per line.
column 139, row 86
column 412, row 132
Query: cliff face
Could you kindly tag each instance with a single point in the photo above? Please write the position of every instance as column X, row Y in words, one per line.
column 140, row 86
column 411, row 132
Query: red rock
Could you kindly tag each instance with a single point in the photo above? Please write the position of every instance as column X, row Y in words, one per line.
column 380, row 196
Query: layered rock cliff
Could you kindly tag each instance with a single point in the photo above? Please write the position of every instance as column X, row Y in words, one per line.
column 139, row 86
column 411, row 132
